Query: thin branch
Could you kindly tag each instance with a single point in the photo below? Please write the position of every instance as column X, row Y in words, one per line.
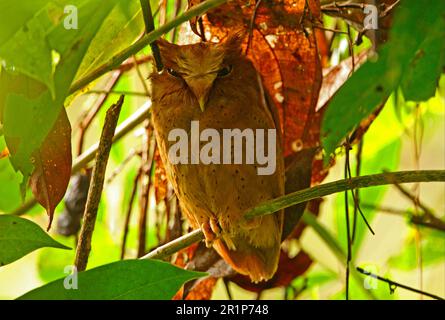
column 175, row 245
column 306, row 195
column 149, row 27
column 342, row 185
column 92, row 112
column 348, row 225
column 393, row 285
column 97, row 183
column 120, row 57
column 128, row 215
column 119, row 92
column 145, row 183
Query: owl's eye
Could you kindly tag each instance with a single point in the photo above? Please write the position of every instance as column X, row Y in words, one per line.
column 224, row 71
column 173, row 73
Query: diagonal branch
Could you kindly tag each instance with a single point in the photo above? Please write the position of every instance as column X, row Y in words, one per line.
column 97, row 184
column 304, row 195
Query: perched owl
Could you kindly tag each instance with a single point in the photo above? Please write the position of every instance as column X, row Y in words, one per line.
column 216, row 86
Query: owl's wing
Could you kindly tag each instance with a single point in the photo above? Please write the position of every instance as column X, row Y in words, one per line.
column 270, row 107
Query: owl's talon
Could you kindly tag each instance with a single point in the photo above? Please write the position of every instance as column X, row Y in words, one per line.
column 208, row 234
column 216, row 228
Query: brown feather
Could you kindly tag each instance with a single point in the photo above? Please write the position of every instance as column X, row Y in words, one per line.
column 222, row 192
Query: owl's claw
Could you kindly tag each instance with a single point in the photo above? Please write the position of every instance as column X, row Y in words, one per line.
column 211, row 230
column 216, row 228
column 208, row 234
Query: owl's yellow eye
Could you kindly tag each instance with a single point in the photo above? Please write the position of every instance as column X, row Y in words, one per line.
column 173, row 73
column 225, row 71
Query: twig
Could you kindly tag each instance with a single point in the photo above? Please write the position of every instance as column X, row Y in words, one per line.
column 128, row 125
column 304, row 195
column 122, row 165
column 92, row 113
column 149, row 27
column 252, row 25
column 424, row 220
column 128, row 215
column 348, row 226
column 175, row 245
column 393, row 285
column 119, row 92
column 97, row 183
column 342, row 185
column 120, row 57
column 358, row 158
column 145, row 182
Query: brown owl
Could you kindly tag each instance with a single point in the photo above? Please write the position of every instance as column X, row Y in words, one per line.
column 216, row 86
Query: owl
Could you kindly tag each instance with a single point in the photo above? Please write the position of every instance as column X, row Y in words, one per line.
column 215, row 85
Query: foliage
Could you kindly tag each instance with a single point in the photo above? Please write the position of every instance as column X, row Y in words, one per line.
column 43, row 62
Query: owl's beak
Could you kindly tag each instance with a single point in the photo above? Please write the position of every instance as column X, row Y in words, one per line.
column 201, row 88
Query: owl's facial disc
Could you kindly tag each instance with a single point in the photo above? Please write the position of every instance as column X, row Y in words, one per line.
column 201, row 86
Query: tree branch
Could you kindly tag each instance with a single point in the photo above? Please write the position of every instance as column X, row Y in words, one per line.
column 393, row 285
column 304, row 195
column 343, row 185
column 97, row 183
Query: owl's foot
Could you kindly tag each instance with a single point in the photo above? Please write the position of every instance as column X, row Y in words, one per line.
column 211, row 230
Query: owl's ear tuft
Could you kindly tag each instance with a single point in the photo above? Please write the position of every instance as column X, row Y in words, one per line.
column 165, row 45
column 234, row 41
column 167, row 49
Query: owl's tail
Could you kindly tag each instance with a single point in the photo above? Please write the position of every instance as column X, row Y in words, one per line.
column 255, row 251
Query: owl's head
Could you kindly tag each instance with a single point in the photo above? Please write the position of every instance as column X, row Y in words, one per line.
column 198, row 66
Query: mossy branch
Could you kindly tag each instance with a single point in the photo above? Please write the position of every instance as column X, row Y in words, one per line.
column 269, row 207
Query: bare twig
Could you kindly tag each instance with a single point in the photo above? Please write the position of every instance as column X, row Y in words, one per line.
column 175, row 245
column 97, row 182
column 424, row 220
column 128, row 215
column 348, row 226
column 145, row 182
column 393, row 285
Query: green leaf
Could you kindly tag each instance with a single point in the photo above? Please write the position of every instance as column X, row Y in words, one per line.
column 23, row 41
column 19, row 236
column 120, row 29
column 30, row 110
column 422, row 77
column 415, row 30
column 123, row 280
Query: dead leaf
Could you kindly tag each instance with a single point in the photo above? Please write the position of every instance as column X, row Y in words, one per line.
column 52, row 162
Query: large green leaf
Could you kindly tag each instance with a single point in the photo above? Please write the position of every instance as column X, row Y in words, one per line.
column 19, row 236
column 127, row 279
column 23, row 42
column 120, row 29
column 416, row 40
column 30, row 111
